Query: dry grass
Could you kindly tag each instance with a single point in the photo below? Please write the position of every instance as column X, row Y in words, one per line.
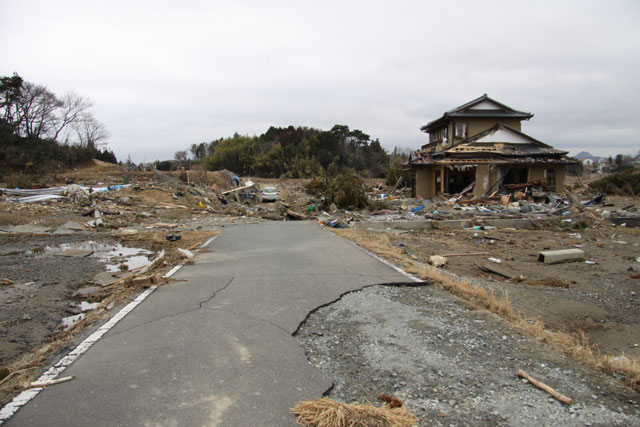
column 575, row 346
column 325, row 412
column 22, row 372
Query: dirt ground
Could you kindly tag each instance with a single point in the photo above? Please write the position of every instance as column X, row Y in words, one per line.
column 598, row 295
column 600, row 299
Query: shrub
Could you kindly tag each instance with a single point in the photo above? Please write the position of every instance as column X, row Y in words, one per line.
column 347, row 192
column 619, row 183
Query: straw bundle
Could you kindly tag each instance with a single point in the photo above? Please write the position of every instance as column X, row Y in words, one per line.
column 325, row 412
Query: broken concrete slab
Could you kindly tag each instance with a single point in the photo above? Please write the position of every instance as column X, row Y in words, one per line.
column 562, row 255
column 69, row 227
column 105, row 278
column 27, row 228
column 79, row 253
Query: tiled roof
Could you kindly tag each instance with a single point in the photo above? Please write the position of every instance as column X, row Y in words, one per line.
column 509, row 146
column 466, row 110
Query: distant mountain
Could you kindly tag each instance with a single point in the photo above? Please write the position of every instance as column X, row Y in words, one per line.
column 587, row 155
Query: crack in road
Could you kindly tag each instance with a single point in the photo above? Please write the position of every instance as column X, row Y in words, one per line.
column 200, row 306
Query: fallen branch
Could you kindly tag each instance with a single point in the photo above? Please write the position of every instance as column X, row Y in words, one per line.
column 469, row 254
column 542, row 386
column 51, row 382
column 171, row 205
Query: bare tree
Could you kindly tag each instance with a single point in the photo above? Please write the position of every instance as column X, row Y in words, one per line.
column 89, row 131
column 73, row 110
column 181, row 155
column 37, row 106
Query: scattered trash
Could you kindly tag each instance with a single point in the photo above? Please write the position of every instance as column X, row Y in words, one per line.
column 496, row 260
column 173, row 237
column 5, row 282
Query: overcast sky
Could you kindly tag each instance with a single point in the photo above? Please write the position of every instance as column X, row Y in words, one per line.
column 164, row 74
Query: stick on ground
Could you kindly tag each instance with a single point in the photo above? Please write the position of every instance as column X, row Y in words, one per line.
column 542, row 386
column 51, row 382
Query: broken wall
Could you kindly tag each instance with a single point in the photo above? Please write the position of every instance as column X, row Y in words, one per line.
column 553, row 176
column 424, row 182
column 486, row 176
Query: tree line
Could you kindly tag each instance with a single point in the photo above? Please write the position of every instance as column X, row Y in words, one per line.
column 297, row 152
column 39, row 129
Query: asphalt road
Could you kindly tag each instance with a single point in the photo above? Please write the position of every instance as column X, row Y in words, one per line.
column 215, row 348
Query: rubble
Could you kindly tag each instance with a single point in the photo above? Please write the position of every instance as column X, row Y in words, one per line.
column 457, row 232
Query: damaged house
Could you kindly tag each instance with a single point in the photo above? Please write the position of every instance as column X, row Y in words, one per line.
column 480, row 145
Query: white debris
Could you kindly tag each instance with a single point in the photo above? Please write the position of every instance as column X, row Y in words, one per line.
column 88, row 306
column 186, row 253
column 68, row 322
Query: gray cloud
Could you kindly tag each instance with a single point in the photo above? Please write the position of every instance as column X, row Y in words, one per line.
column 164, row 75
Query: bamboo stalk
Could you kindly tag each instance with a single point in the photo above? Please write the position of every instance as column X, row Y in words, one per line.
column 51, row 382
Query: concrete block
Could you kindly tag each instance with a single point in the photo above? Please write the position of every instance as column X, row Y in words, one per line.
column 562, row 255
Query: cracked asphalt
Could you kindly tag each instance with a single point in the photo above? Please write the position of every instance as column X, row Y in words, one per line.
column 216, row 347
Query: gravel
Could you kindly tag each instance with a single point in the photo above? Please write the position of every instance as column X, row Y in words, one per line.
column 451, row 365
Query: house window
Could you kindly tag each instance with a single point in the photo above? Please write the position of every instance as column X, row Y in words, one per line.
column 445, row 134
column 460, row 130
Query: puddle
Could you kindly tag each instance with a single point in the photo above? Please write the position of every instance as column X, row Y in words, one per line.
column 111, row 254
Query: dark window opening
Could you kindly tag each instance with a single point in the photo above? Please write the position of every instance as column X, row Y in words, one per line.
column 516, row 176
column 459, row 180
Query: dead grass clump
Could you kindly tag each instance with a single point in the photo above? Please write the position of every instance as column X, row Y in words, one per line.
column 325, row 412
column 626, row 366
column 499, row 304
column 379, row 243
column 23, row 371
